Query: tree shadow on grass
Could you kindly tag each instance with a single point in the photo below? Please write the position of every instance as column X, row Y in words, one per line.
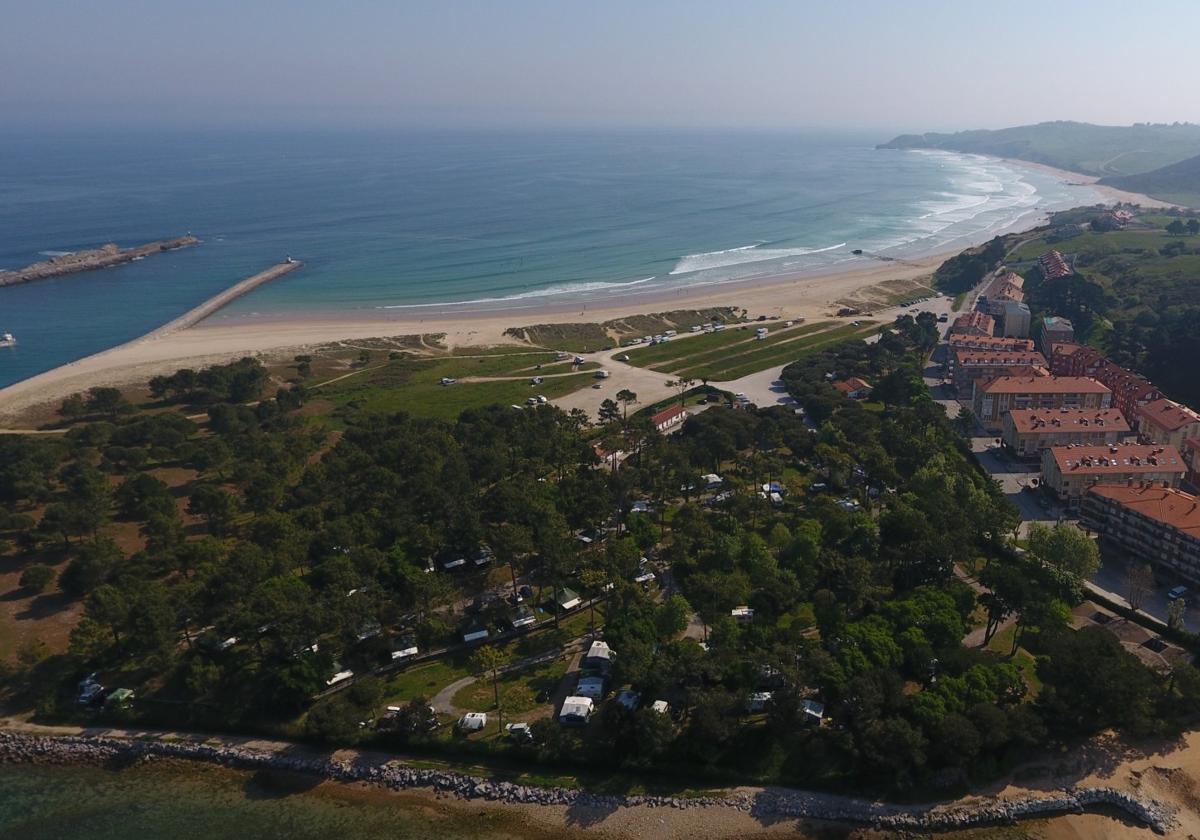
column 44, row 606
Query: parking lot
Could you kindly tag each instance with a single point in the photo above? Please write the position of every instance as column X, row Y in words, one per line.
column 1112, row 578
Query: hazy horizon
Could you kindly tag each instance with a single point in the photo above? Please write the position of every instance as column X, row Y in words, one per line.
column 771, row 65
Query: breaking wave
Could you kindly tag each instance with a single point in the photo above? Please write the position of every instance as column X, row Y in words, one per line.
column 549, row 291
column 744, row 254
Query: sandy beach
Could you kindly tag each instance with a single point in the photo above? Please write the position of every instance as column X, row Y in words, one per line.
column 195, row 339
column 1110, row 195
column 212, row 342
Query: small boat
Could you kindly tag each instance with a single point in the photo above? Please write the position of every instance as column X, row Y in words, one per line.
column 7, row 340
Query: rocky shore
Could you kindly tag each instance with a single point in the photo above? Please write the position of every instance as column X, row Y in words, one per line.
column 17, row 748
column 102, row 257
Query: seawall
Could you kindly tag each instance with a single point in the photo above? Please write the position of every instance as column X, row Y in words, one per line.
column 105, row 256
column 223, row 299
column 770, row 804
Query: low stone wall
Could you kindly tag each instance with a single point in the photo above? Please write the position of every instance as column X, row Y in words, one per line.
column 17, row 748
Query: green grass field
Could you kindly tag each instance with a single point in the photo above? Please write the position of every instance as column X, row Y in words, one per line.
column 518, row 689
column 414, row 385
column 737, row 365
column 767, row 346
column 688, row 352
column 1092, row 242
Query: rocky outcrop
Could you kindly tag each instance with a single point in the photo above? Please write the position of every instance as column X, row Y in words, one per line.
column 18, row 748
column 102, row 257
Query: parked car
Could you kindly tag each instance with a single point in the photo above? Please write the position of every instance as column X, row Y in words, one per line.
column 519, row 731
column 1177, row 592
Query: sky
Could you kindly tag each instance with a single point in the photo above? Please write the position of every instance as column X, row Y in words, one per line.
column 904, row 65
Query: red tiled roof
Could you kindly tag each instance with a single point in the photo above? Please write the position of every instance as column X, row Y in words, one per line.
column 1053, row 265
column 849, row 386
column 1163, row 504
column 1043, row 385
column 667, row 414
column 989, row 342
column 1048, row 421
column 1168, row 414
column 1118, row 458
column 1008, row 286
column 973, row 321
column 970, row 357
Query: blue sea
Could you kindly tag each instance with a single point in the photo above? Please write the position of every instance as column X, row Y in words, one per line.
column 459, row 222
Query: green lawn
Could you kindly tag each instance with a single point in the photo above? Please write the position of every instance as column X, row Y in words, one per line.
column 753, row 345
column 1002, row 642
column 518, row 689
column 1092, row 242
column 736, row 365
column 414, row 385
column 429, row 678
column 692, row 350
column 425, row 680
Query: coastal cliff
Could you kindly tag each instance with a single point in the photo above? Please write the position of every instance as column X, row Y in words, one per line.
column 102, row 257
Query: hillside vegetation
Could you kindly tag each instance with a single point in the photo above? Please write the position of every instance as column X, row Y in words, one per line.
column 1178, row 182
column 1103, row 150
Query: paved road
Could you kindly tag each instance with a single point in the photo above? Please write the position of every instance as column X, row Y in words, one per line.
column 764, row 388
column 1014, row 477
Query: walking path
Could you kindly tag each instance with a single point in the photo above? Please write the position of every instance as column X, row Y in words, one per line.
column 443, row 701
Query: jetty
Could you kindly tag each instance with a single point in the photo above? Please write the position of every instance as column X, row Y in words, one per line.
column 223, row 299
column 105, row 256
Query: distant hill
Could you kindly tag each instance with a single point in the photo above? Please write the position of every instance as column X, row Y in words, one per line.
column 1101, row 150
column 1178, row 182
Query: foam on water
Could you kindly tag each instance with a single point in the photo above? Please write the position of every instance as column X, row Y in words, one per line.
column 467, row 221
column 745, row 254
column 566, row 289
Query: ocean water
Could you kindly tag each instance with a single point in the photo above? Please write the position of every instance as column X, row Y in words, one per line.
column 166, row 801
column 430, row 223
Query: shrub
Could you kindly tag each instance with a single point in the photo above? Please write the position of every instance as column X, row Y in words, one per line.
column 37, row 578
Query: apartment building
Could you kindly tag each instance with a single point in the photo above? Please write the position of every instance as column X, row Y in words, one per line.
column 967, row 366
column 994, row 397
column 1070, row 471
column 1166, row 422
column 1129, row 390
column 1149, row 522
column 1027, row 431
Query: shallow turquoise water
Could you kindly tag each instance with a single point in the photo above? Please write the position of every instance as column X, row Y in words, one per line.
column 462, row 222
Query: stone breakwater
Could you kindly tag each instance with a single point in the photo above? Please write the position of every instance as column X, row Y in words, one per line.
column 16, row 748
column 102, row 257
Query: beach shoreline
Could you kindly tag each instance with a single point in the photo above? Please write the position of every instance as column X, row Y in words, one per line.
column 1111, row 195
column 164, row 351
column 735, row 812
column 803, row 294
